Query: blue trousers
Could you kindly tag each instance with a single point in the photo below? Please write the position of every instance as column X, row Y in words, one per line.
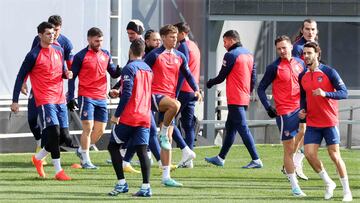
column 236, row 122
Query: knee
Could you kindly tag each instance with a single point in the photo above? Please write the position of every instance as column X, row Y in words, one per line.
column 335, row 157
column 175, row 105
column 99, row 131
column 310, row 155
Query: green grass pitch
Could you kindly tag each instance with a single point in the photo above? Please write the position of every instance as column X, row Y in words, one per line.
column 19, row 181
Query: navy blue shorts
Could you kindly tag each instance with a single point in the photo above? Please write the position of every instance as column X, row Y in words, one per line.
column 314, row 135
column 93, row 109
column 155, row 101
column 288, row 125
column 53, row 114
column 131, row 135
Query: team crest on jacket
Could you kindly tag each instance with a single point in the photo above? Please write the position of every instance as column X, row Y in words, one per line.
column 320, row 79
column 56, row 56
column 102, row 57
column 176, row 61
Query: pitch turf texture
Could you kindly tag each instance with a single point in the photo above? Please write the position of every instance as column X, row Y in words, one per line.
column 19, row 181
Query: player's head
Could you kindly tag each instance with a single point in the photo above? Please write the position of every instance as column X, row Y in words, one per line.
column 152, row 39
column 309, row 30
column 168, row 35
column 137, row 48
column 46, row 32
column 230, row 38
column 184, row 30
column 57, row 22
column 312, row 53
column 95, row 38
column 134, row 29
column 283, row 46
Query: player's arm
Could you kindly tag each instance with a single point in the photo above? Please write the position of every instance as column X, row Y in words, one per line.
column 228, row 64
column 75, row 68
column 253, row 78
column 25, row 68
column 127, row 78
column 185, row 71
column 339, row 86
column 113, row 70
column 267, row 79
column 303, row 105
column 68, row 53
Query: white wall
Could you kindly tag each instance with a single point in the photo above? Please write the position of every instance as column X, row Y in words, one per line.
column 19, row 19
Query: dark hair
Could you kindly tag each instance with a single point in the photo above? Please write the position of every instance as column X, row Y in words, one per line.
column 282, row 38
column 148, row 34
column 136, row 26
column 55, row 20
column 166, row 29
column 137, row 47
column 300, row 34
column 233, row 34
column 183, row 27
column 44, row 25
column 315, row 46
column 95, row 32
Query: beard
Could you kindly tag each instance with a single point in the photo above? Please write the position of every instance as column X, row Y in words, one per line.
column 95, row 48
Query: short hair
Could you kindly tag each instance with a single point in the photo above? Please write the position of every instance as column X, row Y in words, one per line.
column 55, row 20
column 183, row 27
column 137, row 47
column 282, row 38
column 233, row 34
column 95, row 32
column 148, row 33
column 166, row 29
column 315, row 46
column 43, row 26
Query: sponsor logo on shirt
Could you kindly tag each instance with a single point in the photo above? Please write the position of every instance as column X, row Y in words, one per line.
column 224, row 63
column 320, row 79
column 56, row 56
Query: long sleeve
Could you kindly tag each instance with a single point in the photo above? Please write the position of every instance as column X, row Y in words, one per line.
column 127, row 78
column 267, row 79
column 75, row 68
column 25, row 68
column 339, row 85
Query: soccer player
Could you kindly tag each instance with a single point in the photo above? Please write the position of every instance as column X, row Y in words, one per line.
column 91, row 65
column 167, row 64
column 63, row 42
column 321, row 87
column 283, row 75
column 45, row 66
column 308, row 33
column 187, row 97
column 239, row 71
column 133, row 116
column 152, row 41
column 134, row 30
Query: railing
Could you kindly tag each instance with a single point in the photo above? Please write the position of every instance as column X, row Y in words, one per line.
column 220, row 124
